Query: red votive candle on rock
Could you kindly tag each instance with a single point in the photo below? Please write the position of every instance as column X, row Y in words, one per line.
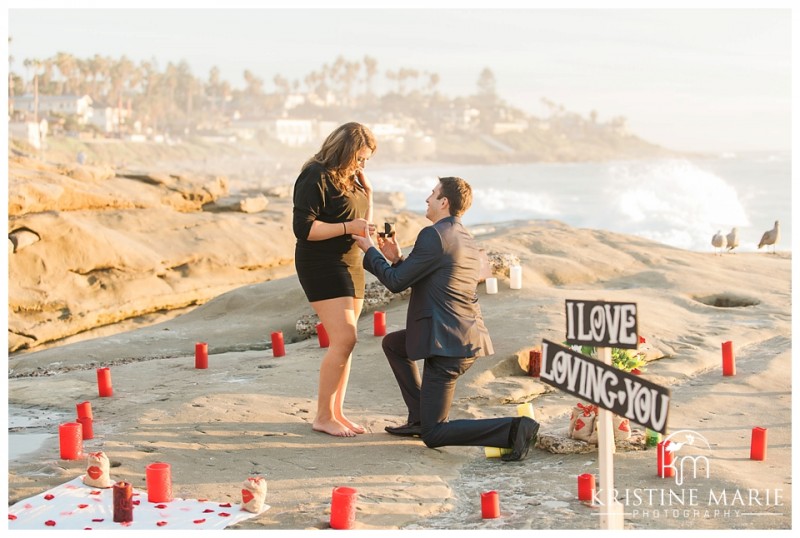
column 322, row 335
column 586, row 487
column 379, row 323
column 84, row 410
column 201, row 355
column 728, row 360
column 758, row 444
column 664, row 460
column 104, row 382
column 278, row 349
column 490, row 505
column 159, row 482
column 123, row 502
column 87, row 427
column 70, row 440
column 535, row 363
column 343, row 507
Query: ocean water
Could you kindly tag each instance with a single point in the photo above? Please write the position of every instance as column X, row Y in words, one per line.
column 680, row 202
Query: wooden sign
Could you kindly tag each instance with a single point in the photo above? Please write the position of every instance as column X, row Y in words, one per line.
column 615, row 390
column 602, row 324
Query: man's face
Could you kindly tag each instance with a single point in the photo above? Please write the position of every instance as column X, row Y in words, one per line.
column 437, row 205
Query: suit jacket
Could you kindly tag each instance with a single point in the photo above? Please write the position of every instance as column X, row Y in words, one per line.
column 443, row 317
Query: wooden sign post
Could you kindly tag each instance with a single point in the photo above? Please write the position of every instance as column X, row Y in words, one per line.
column 604, row 324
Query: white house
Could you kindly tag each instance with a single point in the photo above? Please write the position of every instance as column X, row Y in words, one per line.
column 64, row 105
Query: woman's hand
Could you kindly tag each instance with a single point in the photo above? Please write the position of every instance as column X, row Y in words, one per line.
column 360, row 227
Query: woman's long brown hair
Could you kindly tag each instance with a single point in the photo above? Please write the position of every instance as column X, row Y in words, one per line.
column 339, row 153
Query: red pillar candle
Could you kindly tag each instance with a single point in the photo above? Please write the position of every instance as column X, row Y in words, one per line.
column 84, row 410
column 343, row 507
column 70, row 440
column 490, row 505
column 535, row 363
column 664, row 460
column 87, row 428
column 379, row 323
column 201, row 355
column 159, row 482
column 586, row 487
column 322, row 335
column 123, row 502
column 277, row 344
column 728, row 360
column 104, row 382
column 758, row 444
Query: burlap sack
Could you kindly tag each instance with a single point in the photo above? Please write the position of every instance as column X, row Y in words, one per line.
column 582, row 423
column 97, row 471
column 254, row 492
column 622, row 428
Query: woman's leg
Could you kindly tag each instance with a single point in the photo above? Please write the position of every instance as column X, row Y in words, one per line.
column 338, row 406
column 338, row 317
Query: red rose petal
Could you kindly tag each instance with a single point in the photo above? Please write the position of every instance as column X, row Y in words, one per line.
column 224, row 514
column 161, row 523
column 208, row 511
column 136, row 502
column 95, row 492
column 82, row 505
column 98, row 520
column 12, row 517
column 126, row 523
column 161, row 506
column 50, row 523
column 198, row 521
column 201, row 500
column 226, row 505
column 49, row 497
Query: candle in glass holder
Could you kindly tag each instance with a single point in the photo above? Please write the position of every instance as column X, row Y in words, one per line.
column 758, row 444
column 516, row 277
column 664, row 460
column 491, row 285
column 84, row 410
column 322, row 335
column 201, row 355
column 534, row 363
column 379, row 323
column 490, row 505
column 728, row 360
column 343, row 507
column 70, row 440
column 123, row 502
column 278, row 349
column 586, row 487
column 104, row 382
column 159, row 482
column 87, row 428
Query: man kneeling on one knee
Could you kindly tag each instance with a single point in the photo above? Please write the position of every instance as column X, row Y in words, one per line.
column 444, row 326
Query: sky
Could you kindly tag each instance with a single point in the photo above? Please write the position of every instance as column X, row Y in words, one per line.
column 710, row 79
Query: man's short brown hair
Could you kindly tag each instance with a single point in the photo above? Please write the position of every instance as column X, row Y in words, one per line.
column 458, row 193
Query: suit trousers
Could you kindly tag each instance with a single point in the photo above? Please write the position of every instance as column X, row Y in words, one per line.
column 428, row 398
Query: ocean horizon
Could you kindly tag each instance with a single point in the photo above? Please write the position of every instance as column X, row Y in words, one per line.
column 681, row 202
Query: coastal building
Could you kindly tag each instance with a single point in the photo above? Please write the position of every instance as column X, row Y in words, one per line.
column 62, row 105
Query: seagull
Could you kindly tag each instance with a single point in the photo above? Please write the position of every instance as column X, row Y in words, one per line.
column 718, row 241
column 771, row 237
column 733, row 239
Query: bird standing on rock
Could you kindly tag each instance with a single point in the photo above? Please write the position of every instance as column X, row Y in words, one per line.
column 733, row 239
column 771, row 237
column 718, row 241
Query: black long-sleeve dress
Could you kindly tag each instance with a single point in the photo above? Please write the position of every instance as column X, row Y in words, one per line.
column 331, row 267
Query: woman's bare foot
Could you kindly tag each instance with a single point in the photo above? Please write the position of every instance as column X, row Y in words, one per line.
column 332, row 427
column 356, row 428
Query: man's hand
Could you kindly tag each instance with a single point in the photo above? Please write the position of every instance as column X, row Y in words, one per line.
column 363, row 242
column 389, row 248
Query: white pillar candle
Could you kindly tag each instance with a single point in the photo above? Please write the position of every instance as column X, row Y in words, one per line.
column 516, row 277
column 491, row 285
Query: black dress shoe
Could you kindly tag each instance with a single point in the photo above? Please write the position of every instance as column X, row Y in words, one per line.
column 527, row 429
column 406, row 430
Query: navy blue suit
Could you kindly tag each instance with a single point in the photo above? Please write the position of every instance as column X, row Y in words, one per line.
column 444, row 327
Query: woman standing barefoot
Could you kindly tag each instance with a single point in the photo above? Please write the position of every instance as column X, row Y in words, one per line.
column 332, row 201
